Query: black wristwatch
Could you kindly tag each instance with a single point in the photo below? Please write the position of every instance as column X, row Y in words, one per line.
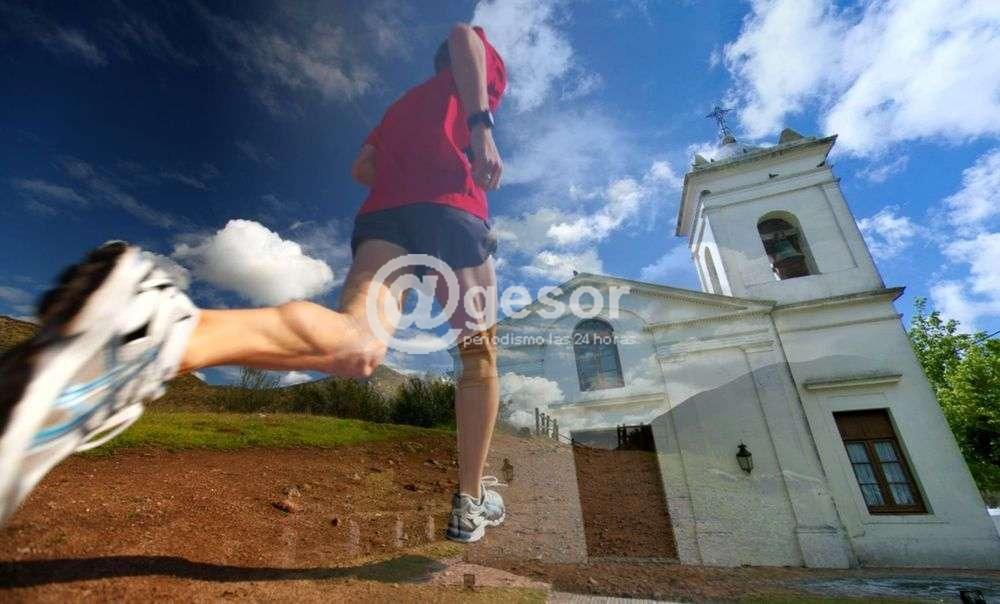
column 481, row 117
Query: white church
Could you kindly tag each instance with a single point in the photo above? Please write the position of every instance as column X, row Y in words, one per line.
column 791, row 422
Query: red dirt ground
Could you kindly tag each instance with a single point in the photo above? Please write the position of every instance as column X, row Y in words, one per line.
column 203, row 526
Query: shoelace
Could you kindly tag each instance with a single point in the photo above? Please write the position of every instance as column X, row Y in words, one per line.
column 491, row 481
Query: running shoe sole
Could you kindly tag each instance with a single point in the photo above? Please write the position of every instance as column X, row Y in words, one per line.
column 33, row 375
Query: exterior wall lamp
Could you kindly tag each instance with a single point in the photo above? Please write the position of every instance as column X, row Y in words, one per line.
column 745, row 458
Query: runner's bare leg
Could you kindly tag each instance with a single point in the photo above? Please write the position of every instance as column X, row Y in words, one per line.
column 477, row 391
column 303, row 335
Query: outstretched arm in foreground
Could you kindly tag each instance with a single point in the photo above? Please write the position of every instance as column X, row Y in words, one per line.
column 303, row 335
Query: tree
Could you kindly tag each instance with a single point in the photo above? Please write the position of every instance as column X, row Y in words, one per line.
column 964, row 371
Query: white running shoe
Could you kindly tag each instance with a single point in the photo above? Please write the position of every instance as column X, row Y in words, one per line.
column 112, row 332
column 467, row 522
column 495, row 511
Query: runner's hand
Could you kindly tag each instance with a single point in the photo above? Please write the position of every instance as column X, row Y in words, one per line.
column 486, row 164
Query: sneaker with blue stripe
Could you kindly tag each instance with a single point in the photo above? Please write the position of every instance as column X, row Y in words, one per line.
column 468, row 519
column 470, row 516
column 111, row 333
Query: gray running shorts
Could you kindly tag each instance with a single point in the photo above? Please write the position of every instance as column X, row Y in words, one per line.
column 460, row 239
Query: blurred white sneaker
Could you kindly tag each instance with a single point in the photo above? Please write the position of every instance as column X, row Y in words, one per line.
column 112, row 331
column 495, row 511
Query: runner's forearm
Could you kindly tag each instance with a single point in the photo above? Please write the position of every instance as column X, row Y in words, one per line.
column 468, row 67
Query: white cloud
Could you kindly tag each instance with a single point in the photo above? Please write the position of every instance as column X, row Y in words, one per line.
column 256, row 154
column 37, row 27
column 108, row 188
column 177, row 273
column 582, row 85
column 291, row 378
column 524, row 394
column 979, row 198
column 15, row 295
column 288, row 57
column 49, row 191
column 257, row 263
column 978, row 295
column 881, row 74
column 623, row 199
column 673, row 266
column 558, row 150
column 559, row 266
column 329, row 242
column 534, row 51
column 76, row 42
column 879, row 173
column 953, row 300
column 888, row 233
column 185, row 179
column 387, row 25
column 527, row 233
column 972, row 211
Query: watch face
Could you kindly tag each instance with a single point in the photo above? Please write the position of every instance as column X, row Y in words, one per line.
column 483, row 117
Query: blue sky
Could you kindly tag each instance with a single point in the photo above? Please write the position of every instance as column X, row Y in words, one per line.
column 162, row 122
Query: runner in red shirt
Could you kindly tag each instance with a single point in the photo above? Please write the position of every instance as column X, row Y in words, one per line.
column 116, row 327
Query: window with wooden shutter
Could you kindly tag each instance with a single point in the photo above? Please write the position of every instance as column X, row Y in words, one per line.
column 882, row 472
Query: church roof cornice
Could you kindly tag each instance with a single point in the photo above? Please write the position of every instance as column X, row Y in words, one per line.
column 658, row 291
column 689, row 199
column 887, row 293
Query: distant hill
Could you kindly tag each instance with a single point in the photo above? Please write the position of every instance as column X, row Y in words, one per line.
column 189, row 390
column 14, row 331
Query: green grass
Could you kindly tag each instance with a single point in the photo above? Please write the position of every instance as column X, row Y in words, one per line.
column 176, row 430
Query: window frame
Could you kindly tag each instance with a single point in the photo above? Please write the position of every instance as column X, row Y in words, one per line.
column 797, row 240
column 599, row 379
column 877, row 432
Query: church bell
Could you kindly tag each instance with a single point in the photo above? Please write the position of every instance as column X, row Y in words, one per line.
column 787, row 261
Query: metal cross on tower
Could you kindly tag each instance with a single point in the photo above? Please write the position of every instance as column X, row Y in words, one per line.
column 720, row 118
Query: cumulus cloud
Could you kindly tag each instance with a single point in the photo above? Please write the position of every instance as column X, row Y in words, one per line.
column 888, row 233
column 881, row 172
column 255, row 262
column 559, row 266
column 979, row 198
column 675, row 266
column 177, row 273
column 537, row 54
column 328, row 241
column 524, row 394
column 291, row 378
column 973, row 213
column 622, row 201
column 553, row 152
column 880, row 74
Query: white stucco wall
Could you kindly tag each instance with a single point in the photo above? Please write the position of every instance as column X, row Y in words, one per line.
column 832, row 343
column 802, row 185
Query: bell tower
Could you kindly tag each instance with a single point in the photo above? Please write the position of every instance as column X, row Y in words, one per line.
column 772, row 223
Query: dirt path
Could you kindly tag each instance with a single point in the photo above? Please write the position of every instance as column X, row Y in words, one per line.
column 366, row 524
column 365, row 521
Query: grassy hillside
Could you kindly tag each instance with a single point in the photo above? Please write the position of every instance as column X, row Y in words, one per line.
column 188, row 392
column 14, row 331
column 177, row 430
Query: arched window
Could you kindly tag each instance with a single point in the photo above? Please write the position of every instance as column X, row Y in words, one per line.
column 597, row 361
column 713, row 273
column 785, row 246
